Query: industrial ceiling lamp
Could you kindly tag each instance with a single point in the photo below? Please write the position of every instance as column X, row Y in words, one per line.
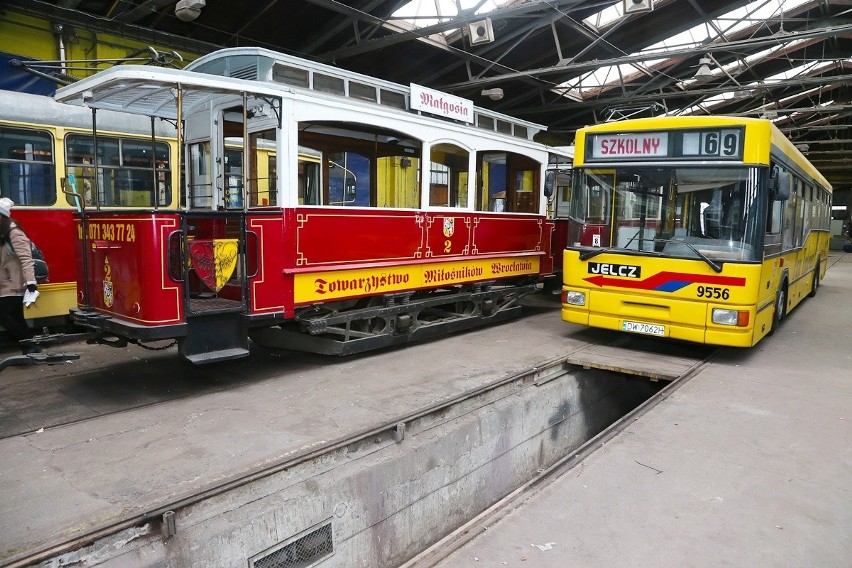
column 704, row 68
column 188, row 10
column 494, row 94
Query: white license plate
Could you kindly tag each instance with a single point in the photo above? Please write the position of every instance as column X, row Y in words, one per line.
column 646, row 328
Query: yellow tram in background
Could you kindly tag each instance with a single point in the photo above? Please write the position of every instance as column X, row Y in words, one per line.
column 703, row 229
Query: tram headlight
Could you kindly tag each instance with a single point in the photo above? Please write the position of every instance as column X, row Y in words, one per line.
column 738, row 318
column 574, row 298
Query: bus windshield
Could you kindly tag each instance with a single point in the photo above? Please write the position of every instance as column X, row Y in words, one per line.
column 687, row 212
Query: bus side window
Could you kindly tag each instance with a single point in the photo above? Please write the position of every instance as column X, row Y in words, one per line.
column 775, row 210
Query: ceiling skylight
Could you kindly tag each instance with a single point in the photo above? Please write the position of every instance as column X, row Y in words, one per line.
column 423, row 13
column 589, row 84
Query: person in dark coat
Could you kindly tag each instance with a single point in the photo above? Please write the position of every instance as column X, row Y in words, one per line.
column 16, row 276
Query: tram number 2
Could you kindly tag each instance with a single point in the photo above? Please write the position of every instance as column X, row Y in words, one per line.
column 122, row 232
column 713, row 292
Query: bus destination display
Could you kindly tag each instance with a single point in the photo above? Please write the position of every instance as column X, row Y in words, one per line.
column 725, row 143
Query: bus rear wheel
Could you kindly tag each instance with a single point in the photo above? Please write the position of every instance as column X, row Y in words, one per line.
column 815, row 283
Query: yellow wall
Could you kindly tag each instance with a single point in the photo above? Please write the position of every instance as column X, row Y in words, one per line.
column 33, row 38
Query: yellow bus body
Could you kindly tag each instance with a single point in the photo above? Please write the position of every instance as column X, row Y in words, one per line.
column 675, row 297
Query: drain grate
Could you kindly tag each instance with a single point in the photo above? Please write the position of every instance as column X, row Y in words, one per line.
column 300, row 551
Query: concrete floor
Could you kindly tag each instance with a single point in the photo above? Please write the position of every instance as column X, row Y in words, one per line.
column 150, row 429
column 749, row 463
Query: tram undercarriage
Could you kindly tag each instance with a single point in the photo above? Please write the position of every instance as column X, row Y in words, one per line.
column 394, row 319
column 341, row 329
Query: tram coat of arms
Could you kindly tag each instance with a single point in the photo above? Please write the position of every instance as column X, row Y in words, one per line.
column 449, row 226
column 214, row 261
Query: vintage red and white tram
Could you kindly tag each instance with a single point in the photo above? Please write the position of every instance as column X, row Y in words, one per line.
column 361, row 213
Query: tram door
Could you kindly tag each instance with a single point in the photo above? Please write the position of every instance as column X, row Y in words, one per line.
column 213, row 237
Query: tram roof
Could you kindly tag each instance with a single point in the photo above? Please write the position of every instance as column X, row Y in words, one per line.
column 34, row 109
column 256, row 71
column 267, row 66
column 153, row 91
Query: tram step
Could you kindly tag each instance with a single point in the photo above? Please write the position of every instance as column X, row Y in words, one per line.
column 215, row 356
column 216, row 337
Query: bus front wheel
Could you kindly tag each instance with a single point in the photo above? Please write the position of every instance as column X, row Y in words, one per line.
column 780, row 307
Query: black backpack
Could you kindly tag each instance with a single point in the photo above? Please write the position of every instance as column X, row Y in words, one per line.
column 39, row 264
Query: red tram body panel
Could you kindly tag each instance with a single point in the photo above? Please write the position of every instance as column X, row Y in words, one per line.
column 302, row 257
column 128, row 267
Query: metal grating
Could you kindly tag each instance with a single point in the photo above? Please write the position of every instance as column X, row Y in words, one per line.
column 249, row 72
column 300, row 551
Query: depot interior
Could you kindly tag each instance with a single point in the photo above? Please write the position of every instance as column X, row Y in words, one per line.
column 561, row 63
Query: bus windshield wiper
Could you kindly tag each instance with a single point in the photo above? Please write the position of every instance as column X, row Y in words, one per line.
column 594, row 252
column 705, row 258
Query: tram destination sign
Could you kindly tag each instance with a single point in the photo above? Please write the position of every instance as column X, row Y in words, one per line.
column 441, row 104
column 702, row 144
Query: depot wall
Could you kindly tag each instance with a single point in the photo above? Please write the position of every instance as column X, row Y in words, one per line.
column 29, row 37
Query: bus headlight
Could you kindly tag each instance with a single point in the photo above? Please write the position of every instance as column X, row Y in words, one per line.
column 574, row 298
column 738, row 318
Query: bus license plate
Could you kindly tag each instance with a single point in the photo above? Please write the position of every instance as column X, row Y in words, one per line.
column 646, row 328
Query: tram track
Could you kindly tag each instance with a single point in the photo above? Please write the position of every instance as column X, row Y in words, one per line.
column 157, row 518
column 84, row 387
column 85, row 392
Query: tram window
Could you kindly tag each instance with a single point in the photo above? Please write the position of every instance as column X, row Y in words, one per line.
column 398, row 181
column 125, row 175
column 361, row 91
column 348, row 179
column 272, row 171
column 108, row 152
column 262, row 170
column 233, row 197
column 492, row 178
column 289, row 75
column 27, row 171
column 136, row 154
column 328, row 84
column 359, row 166
column 448, row 175
column 200, row 180
column 524, row 197
column 393, row 99
column 310, row 188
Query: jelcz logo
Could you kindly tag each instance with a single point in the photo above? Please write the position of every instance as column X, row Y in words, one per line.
column 624, row 270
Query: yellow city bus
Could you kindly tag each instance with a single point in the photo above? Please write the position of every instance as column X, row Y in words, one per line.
column 703, row 229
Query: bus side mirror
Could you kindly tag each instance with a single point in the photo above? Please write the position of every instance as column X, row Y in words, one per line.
column 549, row 181
column 781, row 184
